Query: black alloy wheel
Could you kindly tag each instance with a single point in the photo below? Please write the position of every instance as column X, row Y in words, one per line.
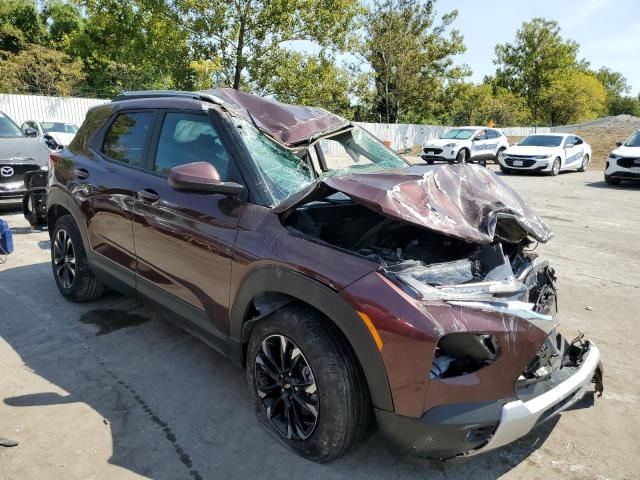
column 287, row 388
column 71, row 269
column 64, row 259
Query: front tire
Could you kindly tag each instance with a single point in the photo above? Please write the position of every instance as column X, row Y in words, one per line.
column 71, row 270
column 555, row 168
column 462, row 156
column 505, row 170
column 611, row 180
column 307, row 385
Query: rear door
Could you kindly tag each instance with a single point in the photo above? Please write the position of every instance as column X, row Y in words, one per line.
column 573, row 148
column 107, row 190
column 184, row 241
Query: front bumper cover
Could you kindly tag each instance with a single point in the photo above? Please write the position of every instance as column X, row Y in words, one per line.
column 468, row 429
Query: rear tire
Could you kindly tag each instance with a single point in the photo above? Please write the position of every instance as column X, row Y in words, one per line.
column 71, row 270
column 495, row 159
column 611, row 180
column 585, row 164
column 339, row 393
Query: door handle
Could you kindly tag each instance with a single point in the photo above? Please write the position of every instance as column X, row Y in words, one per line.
column 81, row 173
column 148, row 195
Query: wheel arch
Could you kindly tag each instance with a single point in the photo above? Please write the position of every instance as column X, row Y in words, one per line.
column 286, row 286
column 59, row 204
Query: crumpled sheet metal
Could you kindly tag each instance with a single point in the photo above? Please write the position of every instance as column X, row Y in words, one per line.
column 290, row 125
column 463, row 201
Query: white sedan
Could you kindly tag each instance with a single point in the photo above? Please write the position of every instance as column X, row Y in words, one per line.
column 546, row 152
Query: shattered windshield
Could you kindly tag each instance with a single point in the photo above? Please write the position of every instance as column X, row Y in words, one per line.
column 458, row 134
column 287, row 172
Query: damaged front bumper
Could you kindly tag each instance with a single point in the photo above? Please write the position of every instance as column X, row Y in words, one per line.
column 466, row 429
column 517, row 418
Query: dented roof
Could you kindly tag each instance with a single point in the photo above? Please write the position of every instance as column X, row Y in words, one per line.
column 468, row 202
column 290, row 125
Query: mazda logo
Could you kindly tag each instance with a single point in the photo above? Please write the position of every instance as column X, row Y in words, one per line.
column 6, row 171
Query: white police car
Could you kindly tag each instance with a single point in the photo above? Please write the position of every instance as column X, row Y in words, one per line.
column 624, row 162
column 465, row 144
column 546, row 152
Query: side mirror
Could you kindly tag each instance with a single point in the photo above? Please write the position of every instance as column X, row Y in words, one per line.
column 31, row 132
column 476, row 138
column 569, row 145
column 618, row 144
column 201, row 177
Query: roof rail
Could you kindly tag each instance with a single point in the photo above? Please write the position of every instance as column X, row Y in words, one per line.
column 136, row 94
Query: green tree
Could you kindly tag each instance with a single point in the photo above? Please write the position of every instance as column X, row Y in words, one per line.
column 20, row 25
column 132, row 44
column 409, row 51
column 573, row 98
column 617, row 89
column 64, row 19
column 483, row 104
column 624, row 105
column 315, row 80
column 247, row 34
column 39, row 70
column 538, row 57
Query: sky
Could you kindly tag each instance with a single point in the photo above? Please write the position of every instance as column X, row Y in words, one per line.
column 608, row 31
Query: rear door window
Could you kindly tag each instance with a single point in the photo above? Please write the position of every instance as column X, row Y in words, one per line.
column 126, row 138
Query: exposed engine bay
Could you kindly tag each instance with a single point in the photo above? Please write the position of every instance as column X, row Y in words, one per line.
column 500, row 276
column 429, row 264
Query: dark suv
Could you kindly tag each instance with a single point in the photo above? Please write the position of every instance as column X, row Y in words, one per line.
column 348, row 282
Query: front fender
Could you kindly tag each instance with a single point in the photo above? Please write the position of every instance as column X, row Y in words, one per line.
column 279, row 279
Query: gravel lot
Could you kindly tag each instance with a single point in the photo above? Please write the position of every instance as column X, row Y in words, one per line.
column 87, row 400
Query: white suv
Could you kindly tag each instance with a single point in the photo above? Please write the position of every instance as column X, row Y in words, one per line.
column 624, row 162
column 465, row 144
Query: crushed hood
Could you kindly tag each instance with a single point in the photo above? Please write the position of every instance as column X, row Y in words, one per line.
column 468, row 201
column 290, row 125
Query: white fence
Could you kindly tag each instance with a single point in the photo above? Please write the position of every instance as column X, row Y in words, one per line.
column 71, row 109
column 35, row 107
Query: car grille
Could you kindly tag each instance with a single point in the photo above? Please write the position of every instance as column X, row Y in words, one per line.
column 18, row 171
column 629, row 162
column 526, row 162
column 432, row 151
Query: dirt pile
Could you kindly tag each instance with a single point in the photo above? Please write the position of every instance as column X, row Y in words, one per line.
column 602, row 136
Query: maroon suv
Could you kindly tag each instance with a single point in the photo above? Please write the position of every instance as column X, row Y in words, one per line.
column 348, row 282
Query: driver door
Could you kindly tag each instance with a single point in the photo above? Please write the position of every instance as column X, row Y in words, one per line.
column 184, row 241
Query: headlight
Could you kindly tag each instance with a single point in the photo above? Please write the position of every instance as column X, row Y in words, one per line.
column 44, row 167
column 541, row 156
column 613, row 156
column 450, row 145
